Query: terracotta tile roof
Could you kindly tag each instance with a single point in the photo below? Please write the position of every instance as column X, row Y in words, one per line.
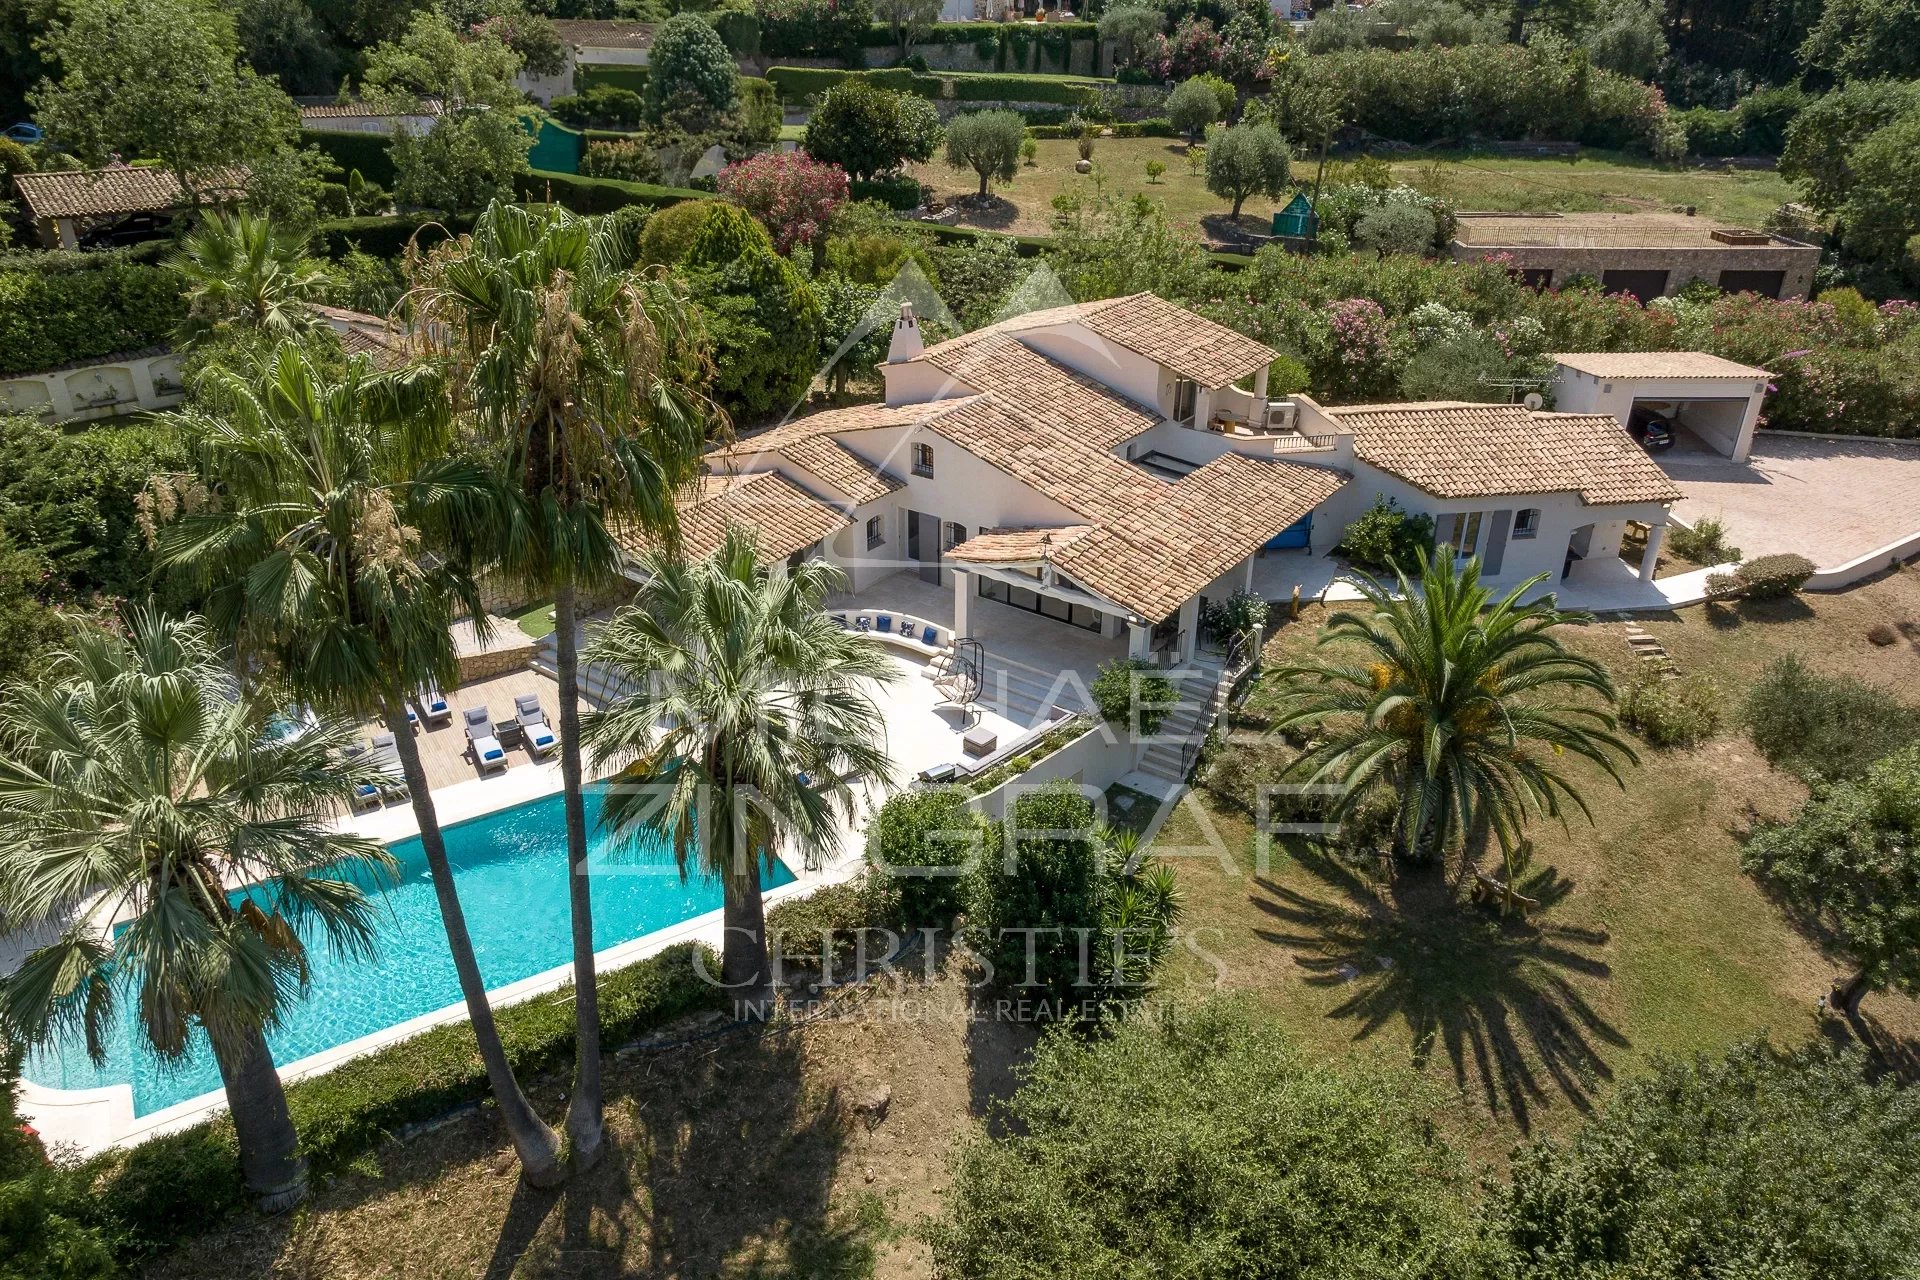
column 1030, row 383
column 1160, row 553
column 1017, row 546
column 785, row 516
column 808, row 442
column 1657, row 364
column 1453, row 449
column 592, row 33
column 1191, row 345
column 103, row 192
column 1078, row 474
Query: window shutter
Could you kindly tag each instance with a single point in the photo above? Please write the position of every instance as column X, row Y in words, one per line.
column 1497, row 543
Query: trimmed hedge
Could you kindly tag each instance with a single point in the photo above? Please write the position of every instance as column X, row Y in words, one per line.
column 1156, row 127
column 597, row 195
column 387, row 237
column 153, row 1195
column 880, row 35
column 73, row 306
column 366, row 152
column 797, row 84
column 618, row 76
column 901, row 191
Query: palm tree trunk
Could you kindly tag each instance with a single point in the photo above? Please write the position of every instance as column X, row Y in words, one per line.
column 744, row 965
column 270, row 1161
column 585, row 1106
column 536, row 1144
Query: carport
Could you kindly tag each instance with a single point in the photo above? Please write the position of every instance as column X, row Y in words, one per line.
column 1715, row 402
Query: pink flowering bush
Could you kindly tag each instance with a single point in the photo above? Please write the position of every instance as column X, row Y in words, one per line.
column 1194, row 49
column 1360, row 348
column 790, row 192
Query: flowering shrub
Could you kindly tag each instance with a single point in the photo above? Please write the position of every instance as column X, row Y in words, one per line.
column 789, row 191
column 1194, row 49
column 1360, row 351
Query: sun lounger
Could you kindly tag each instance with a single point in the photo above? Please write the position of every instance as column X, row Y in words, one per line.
column 364, row 793
column 433, row 705
column 486, row 749
column 386, row 758
column 533, row 724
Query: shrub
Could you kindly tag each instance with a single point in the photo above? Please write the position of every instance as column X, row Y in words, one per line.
column 1671, row 713
column 1774, row 577
column 924, row 841
column 831, row 920
column 791, row 193
column 814, row 28
column 1242, row 614
column 1206, row 1141
column 1819, row 726
column 868, row 130
column 1385, row 536
column 79, row 305
column 1156, row 169
column 631, row 160
column 1133, row 696
column 1752, row 1163
column 689, row 64
column 1703, row 543
column 596, row 195
column 1880, row 635
column 760, row 314
column 1193, row 106
column 1395, row 228
column 602, row 105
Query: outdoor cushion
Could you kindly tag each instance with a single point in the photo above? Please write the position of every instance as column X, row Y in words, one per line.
column 885, row 625
column 930, row 636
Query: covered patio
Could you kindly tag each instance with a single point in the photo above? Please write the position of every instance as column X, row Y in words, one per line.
column 1010, row 635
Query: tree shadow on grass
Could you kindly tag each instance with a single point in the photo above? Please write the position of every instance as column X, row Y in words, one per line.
column 1497, row 996
column 718, row 1158
column 1888, row 1052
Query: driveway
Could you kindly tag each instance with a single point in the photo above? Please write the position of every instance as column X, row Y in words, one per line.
column 1829, row 500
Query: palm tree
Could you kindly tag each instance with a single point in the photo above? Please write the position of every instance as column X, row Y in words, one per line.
column 140, row 772
column 244, row 272
column 581, row 382
column 340, row 547
column 754, row 720
column 1458, row 702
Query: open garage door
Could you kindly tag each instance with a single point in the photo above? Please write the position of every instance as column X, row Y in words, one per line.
column 1699, row 424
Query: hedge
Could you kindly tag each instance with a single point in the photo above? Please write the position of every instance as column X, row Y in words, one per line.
column 597, row 195
column 1156, row 127
column 618, row 76
column 387, row 237
column 880, row 35
column 78, row 306
column 156, row 1194
column 902, row 191
column 366, row 152
column 797, row 84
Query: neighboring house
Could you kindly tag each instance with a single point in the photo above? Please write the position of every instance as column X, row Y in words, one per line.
column 1110, row 466
column 589, row 43
column 330, row 116
column 1649, row 255
column 125, row 204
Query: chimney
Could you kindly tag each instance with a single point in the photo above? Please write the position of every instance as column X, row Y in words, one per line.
column 906, row 342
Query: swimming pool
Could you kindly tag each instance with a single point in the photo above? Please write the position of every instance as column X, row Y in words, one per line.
column 510, row 867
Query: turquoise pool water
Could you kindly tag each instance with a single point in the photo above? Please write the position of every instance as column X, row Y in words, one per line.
column 511, row 870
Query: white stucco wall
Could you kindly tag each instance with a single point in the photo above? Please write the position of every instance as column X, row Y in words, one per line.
column 96, row 390
column 1728, row 429
column 1131, row 374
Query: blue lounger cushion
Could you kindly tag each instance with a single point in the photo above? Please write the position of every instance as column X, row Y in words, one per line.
column 884, row 624
column 930, row 636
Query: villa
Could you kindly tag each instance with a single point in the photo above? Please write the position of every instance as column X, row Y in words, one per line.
column 1076, row 483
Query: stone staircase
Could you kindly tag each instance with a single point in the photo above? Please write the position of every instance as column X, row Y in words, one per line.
column 1024, row 694
column 1203, row 694
column 1651, row 652
column 598, row 686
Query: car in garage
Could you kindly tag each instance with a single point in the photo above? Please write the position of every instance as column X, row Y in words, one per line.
column 1650, row 429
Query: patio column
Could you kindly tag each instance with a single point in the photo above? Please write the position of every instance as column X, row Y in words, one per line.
column 1650, row 558
column 1250, row 560
column 962, row 603
column 1260, row 393
column 1189, row 628
column 1139, row 640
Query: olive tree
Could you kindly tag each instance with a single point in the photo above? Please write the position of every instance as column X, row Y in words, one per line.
column 1247, row 160
column 987, row 142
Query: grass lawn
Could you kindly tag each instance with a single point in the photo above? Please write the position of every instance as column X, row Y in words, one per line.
column 535, row 620
column 745, row 1155
column 1593, row 181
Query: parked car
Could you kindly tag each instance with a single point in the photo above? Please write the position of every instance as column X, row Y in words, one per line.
column 25, row 134
column 1650, row 429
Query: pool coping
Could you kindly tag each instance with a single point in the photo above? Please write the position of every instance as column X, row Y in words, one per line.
column 98, row 1119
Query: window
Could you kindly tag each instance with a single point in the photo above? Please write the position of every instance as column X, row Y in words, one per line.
column 1469, row 535
column 1184, row 397
column 956, row 534
column 923, row 459
column 1078, row 615
column 1526, row 522
column 874, row 535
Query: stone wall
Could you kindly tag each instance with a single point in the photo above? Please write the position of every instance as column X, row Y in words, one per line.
column 1683, row 264
column 499, row 660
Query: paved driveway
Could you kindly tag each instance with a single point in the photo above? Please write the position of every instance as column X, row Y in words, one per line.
column 1828, row 500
